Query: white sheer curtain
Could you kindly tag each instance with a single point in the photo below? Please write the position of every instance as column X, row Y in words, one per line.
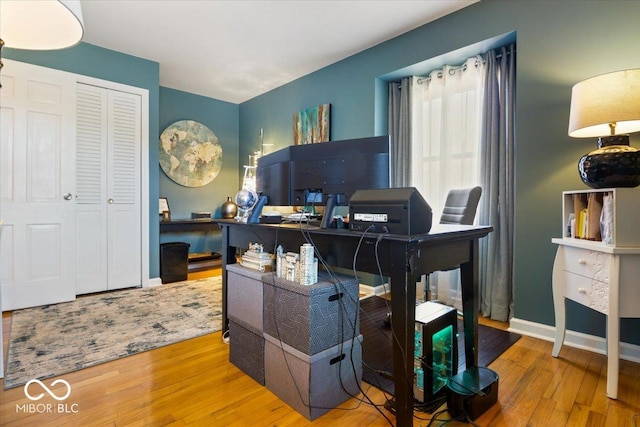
column 447, row 112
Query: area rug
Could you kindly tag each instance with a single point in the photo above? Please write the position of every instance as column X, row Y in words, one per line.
column 377, row 352
column 52, row 340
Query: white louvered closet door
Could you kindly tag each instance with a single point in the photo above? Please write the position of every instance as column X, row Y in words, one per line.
column 108, row 189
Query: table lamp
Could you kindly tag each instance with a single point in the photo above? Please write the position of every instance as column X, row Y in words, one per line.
column 608, row 107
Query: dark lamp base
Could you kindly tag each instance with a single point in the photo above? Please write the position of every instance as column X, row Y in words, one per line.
column 613, row 164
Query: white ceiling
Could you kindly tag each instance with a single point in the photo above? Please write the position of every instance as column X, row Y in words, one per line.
column 236, row 50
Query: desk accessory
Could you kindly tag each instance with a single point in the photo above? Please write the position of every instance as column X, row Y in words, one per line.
column 257, row 259
column 472, row 392
column 200, row 215
column 390, row 210
column 165, row 211
column 229, row 209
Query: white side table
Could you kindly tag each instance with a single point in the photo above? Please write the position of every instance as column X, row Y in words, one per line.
column 603, row 278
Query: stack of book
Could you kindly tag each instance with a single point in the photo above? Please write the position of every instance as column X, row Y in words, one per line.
column 585, row 220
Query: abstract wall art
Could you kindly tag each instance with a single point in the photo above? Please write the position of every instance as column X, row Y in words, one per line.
column 311, row 125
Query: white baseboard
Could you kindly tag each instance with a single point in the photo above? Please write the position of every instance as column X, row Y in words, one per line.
column 373, row 290
column 575, row 339
column 153, row 281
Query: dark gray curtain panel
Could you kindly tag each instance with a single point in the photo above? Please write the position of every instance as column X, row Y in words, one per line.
column 497, row 203
column 399, row 125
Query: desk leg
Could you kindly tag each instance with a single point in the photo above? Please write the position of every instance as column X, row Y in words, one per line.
column 469, row 284
column 228, row 257
column 403, row 296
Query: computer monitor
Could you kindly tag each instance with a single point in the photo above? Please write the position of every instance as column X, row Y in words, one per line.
column 326, row 173
column 273, row 177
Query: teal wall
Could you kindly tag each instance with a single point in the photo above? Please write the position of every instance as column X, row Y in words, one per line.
column 559, row 43
column 222, row 118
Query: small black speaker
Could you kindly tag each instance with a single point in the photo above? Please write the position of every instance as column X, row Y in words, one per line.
column 472, row 392
column 390, row 210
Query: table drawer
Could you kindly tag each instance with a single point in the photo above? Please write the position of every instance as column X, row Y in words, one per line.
column 591, row 264
column 588, row 292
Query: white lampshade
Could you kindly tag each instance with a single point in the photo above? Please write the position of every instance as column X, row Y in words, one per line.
column 41, row 24
column 612, row 98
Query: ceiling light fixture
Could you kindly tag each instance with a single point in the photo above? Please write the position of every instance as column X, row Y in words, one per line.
column 40, row 25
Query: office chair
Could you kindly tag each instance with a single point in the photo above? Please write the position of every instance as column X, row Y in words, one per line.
column 459, row 208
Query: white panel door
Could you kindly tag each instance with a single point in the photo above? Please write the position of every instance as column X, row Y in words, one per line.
column 37, row 184
column 109, row 195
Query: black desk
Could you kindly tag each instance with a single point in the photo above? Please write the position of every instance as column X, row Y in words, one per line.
column 182, row 225
column 188, row 226
column 401, row 258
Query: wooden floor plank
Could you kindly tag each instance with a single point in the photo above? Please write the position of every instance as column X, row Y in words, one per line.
column 192, row 383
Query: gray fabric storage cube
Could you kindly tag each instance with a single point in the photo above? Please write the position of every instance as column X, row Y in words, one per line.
column 244, row 294
column 246, row 349
column 312, row 318
column 313, row 384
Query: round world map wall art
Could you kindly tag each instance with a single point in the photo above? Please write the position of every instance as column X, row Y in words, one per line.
column 190, row 153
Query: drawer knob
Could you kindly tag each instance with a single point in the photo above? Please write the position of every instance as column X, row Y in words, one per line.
column 582, row 290
column 582, row 261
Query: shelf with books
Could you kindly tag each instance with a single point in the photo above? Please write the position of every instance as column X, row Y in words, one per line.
column 607, row 216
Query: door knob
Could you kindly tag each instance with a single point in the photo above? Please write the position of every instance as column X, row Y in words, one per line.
column 110, row 201
column 67, row 196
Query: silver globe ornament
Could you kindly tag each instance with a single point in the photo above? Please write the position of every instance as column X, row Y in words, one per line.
column 246, row 200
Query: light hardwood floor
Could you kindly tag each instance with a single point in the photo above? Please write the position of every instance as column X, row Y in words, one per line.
column 192, row 383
